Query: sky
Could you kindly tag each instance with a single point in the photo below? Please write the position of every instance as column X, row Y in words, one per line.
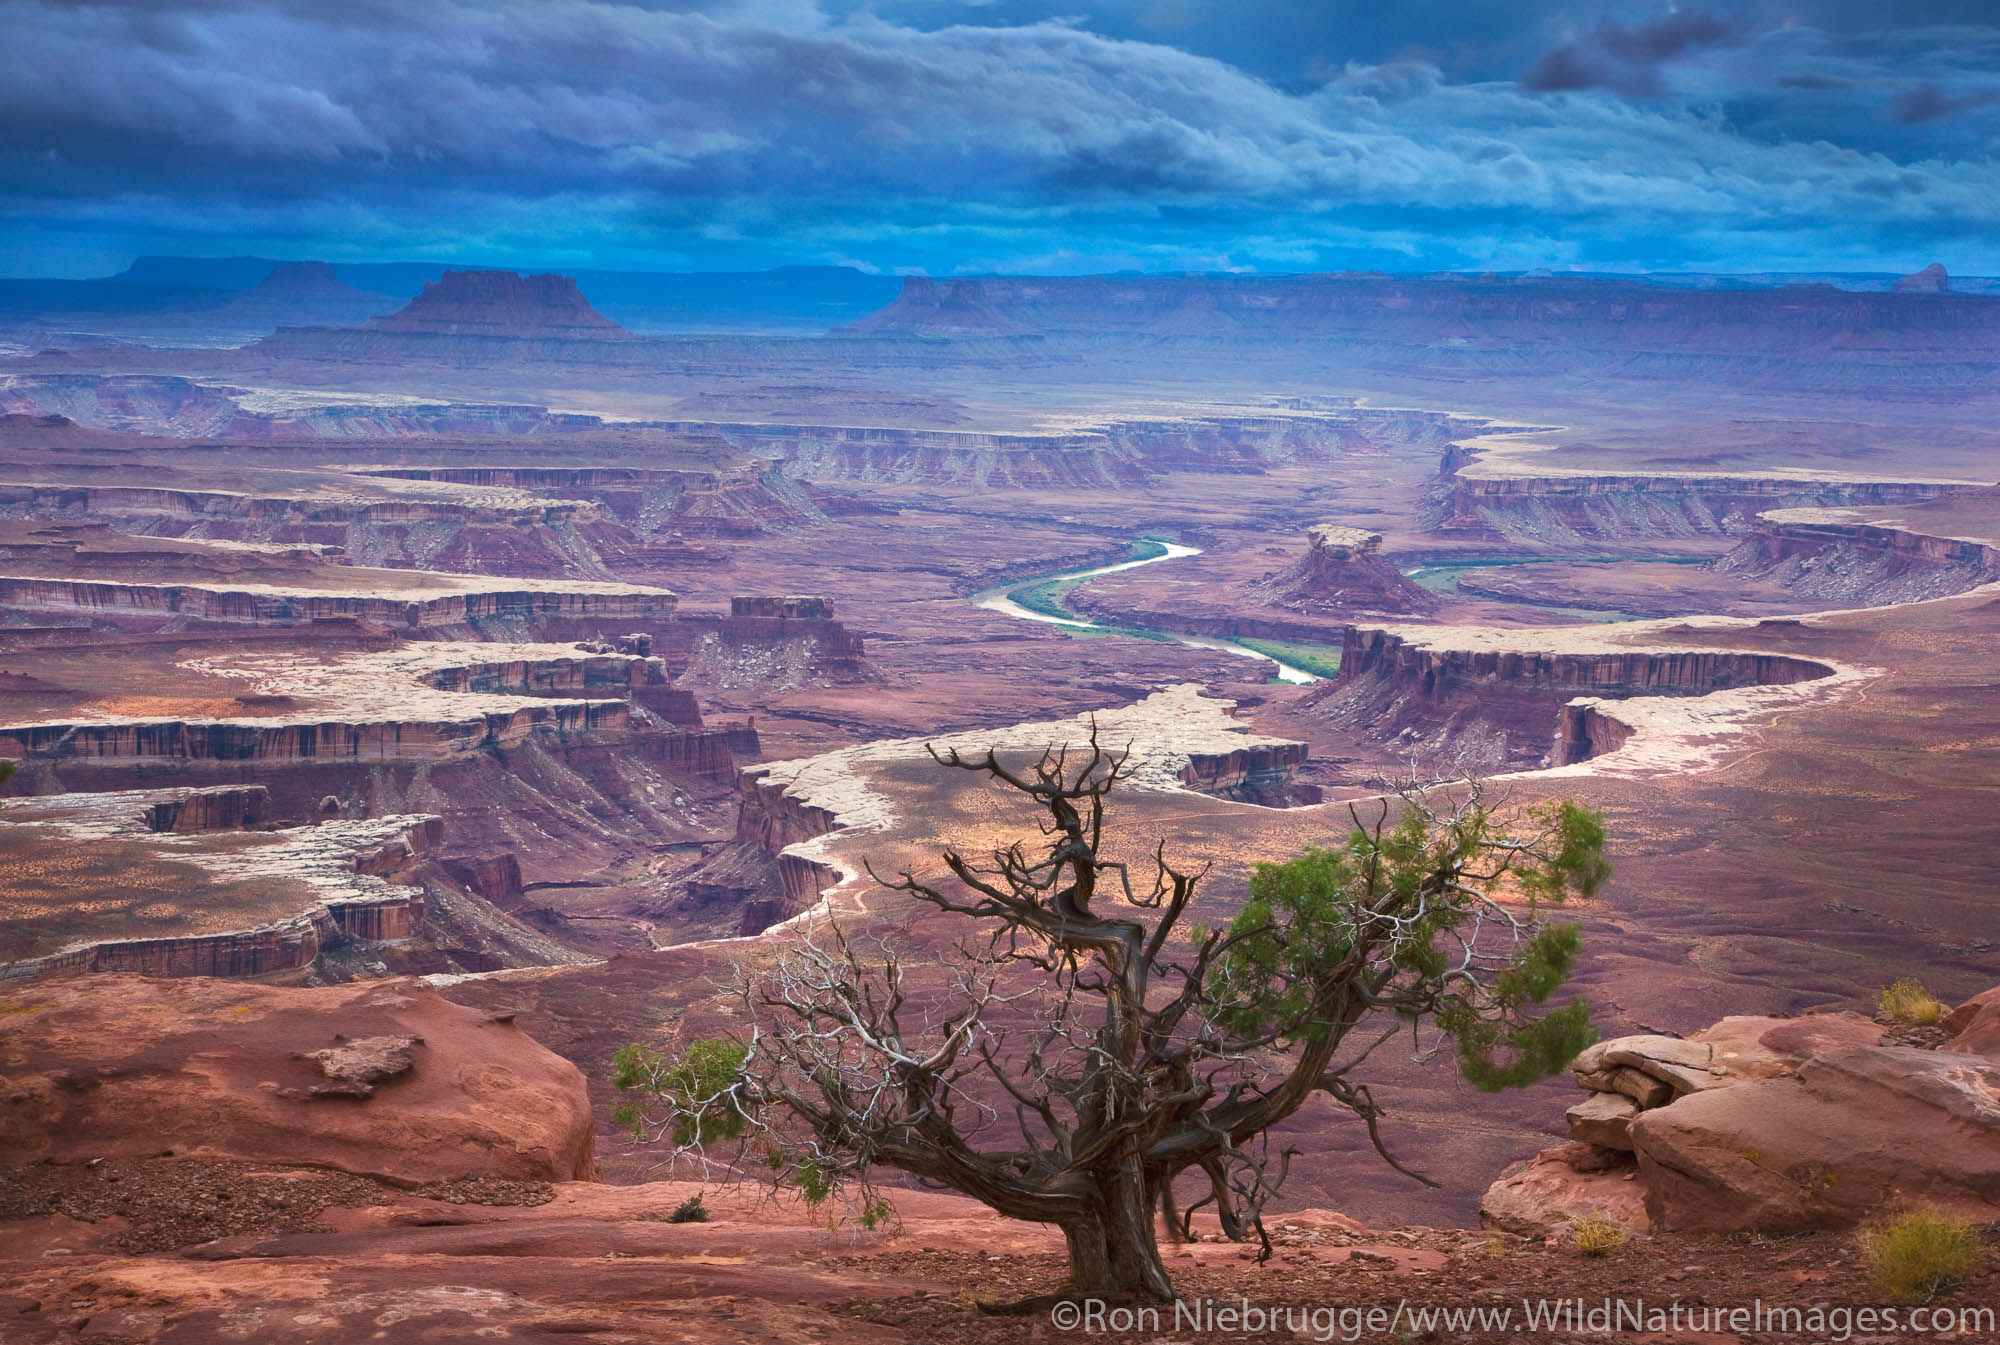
column 1013, row 136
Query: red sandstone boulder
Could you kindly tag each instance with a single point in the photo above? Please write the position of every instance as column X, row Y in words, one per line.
column 1978, row 1033
column 1653, row 1070
column 1858, row 1129
column 1756, row 1048
column 1603, row 1119
column 1959, row 1019
column 1557, row 1186
column 387, row 1079
column 1666, row 1085
column 1665, row 1066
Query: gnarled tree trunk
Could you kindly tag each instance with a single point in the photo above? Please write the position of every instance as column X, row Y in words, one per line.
column 1114, row 1251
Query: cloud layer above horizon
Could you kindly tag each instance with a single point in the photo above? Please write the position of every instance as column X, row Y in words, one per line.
column 1013, row 136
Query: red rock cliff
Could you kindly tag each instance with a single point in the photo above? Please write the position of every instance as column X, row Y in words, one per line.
column 1429, row 672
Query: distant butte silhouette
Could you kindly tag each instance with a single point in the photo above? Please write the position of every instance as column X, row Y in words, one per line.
column 501, row 303
column 304, row 280
column 1931, row 280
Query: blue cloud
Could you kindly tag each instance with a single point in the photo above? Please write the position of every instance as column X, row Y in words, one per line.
column 954, row 136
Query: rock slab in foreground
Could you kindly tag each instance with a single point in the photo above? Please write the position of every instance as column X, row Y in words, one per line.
column 1771, row 1125
column 386, row 1079
column 1859, row 1129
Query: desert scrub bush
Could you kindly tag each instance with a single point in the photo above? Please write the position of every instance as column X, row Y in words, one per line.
column 689, row 1211
column 1913, row 1255
column 1596, row 1235
column 1908, row 1002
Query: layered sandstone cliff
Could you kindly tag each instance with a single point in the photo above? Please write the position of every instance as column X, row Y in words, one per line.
column 541, row 671
column 750, row 501
column 775, row 819
column 186, row 407
column 1562, row 508
column 419, row 702
column 435, row 503
column 1836, row 556
column 1511, row 700
column 437, row 603
column 1933, row 279
column 1113, row 452
column 1262, row 772
column 292, row 944
column 297, row 891
column 414, row 738
column 1434, row 669
column 770, row 643
column 229, row 808
column 580, row 756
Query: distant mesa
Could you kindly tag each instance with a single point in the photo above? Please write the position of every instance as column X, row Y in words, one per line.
column 1931, row 280
column 928, row 306
column 1464, row 314
column 200, row 273
column 501, row 303
column 305, row 280
column 292, row 293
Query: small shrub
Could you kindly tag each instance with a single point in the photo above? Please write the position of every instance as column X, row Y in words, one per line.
column 1913, row 1255
column 1597, row 1236
column 1908, row 1002
column 689, row 1211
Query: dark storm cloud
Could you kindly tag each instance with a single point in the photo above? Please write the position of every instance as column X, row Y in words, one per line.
column 1628, row 60
column 988, row 136
column 1927, row 102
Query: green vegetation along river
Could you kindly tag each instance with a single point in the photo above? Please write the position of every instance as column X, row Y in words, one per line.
column 1040, row 599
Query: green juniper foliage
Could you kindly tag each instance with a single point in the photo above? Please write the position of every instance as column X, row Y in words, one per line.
column 694, row 1092
column 1305, row 917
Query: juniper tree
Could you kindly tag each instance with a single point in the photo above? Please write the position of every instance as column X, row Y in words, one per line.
column 1091, row 1042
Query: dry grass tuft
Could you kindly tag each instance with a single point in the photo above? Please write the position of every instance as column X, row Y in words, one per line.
column 1908, row 1002
column 1915, row 1254
column 1597, row 1236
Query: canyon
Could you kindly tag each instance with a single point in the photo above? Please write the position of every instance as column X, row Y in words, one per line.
column 466, row 669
